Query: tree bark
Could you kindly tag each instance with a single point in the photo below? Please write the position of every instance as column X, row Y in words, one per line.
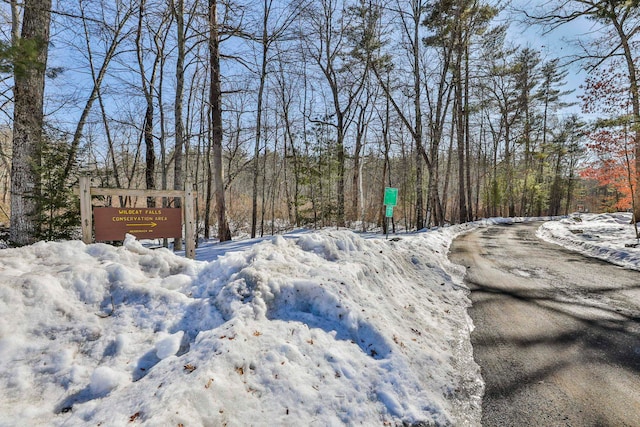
column 215, row 100
column 258, row 136
column 28, row 123
column 178, row 173
column 150, row 155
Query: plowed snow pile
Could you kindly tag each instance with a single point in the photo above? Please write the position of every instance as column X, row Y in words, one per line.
column 323, row 328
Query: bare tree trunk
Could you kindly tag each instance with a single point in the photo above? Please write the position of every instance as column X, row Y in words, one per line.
column 289, row 145
column 208, row 198
column 361, row 126
column 256, row 151
column 224, row 233
column 150, row 155
column 178, row 174
column 274, row 182
column 386, row 169
column 28, row 122
column 417, row 105
column 263, row 209
column 508, row 164
column 110, row 144
column 15, row 22
column 635, row 105
column 459, row 120
column 438, row 120
column 467, row 135
column 447, row 175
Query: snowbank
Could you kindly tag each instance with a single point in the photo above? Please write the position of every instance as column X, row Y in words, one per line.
column 608, row 236
column 324, row 328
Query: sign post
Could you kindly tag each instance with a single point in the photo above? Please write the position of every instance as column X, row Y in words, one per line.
column 390, row 200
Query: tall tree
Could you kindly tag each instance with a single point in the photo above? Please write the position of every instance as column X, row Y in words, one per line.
column 159, row 34
column 345, row 77
column 215, row 101
column 502, row 92
column 178, row 172
column 621, row 26
column 409, row 16
column 455, row 23
column 439, row 103
column 364, row 37
column 29, row 78
column 527, row 79
column 270, row 33
column 566, row 146
column 550, row 94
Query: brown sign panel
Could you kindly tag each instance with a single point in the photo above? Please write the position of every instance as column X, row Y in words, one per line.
column 144, row 223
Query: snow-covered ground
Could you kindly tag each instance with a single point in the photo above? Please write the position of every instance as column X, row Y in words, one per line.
column 611, row 237
column 312, row 328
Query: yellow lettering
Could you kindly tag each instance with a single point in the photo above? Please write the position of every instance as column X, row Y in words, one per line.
column 160, row 218
column 151, row 212
column 129, row 211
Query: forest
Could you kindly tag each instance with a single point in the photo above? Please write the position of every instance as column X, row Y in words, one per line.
column 298, row 113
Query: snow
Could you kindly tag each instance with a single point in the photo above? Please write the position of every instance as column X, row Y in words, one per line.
column 311, row 328
column 324, row 328
column 610, row 237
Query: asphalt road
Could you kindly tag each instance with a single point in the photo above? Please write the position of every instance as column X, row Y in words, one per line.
column 557, row 334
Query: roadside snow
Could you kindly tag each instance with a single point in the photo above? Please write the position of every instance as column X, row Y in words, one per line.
column 610, row 237
column 322, row 328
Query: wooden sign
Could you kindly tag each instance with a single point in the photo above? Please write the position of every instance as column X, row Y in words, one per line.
column 144, row 223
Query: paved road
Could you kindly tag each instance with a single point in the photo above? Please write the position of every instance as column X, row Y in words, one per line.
column 557, row 334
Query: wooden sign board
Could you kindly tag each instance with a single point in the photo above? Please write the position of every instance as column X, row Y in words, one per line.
column 144, row 223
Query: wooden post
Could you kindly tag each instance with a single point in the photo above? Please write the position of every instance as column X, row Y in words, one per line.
column 189, row 221
column 85, row 209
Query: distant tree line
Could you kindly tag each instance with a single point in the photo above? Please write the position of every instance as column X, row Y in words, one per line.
column 296, row 113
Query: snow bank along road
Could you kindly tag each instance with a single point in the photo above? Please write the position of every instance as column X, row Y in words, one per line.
column 557, row 334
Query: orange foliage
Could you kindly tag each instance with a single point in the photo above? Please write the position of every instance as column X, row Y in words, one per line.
column 606, row 93
column 612, row 165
